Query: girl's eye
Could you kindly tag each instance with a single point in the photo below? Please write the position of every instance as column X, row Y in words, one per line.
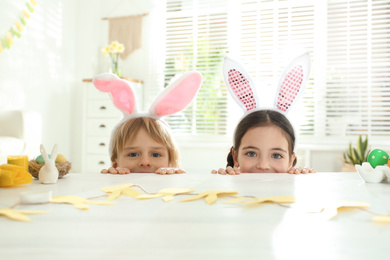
column 133, row 155
column 251, row 154
column 277, row 156
column 156, row 155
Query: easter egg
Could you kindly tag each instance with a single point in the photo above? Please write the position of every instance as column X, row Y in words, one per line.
column 40, row 159
column 378, row 157
column 60, row 158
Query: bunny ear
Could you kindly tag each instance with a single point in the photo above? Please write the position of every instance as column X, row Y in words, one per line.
column 45, row 156
column 292, row 83
column 177, row 95
column 53, row 154
column 240, row 85
column 121, row 92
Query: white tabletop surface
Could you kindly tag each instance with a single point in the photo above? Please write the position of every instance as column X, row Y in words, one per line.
column 153, row 229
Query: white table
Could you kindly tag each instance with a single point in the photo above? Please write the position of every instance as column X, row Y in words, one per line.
column 153, row 229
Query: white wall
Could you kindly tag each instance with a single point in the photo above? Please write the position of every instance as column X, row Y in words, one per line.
column 37, row 73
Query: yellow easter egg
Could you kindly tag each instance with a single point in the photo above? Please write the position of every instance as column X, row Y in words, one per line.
column 60, row 158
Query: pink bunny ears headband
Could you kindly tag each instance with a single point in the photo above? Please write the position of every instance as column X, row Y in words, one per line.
column 291, row 85
column 174, row 98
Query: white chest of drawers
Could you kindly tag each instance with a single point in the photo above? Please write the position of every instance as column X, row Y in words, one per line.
column 99, row 118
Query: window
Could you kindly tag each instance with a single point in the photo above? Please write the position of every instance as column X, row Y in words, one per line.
column 357, row 97
column 196, row 39
column 348, row 92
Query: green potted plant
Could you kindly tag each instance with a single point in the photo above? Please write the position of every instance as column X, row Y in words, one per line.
column 356, row 155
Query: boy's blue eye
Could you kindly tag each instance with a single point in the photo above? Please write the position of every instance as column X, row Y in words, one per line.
column 251, row 154
column 156, row 155
column 277, row 156
column 133, row 154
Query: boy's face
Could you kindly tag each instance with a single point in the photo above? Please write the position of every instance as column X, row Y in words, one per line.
column 142, row 154
column 263, row 150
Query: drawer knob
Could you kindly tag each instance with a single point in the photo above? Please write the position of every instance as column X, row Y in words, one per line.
column 102, row 126
column 102, row 108
column 101, row 162
column 102, row 144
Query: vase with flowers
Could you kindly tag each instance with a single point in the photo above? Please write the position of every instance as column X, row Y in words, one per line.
column 113, row 50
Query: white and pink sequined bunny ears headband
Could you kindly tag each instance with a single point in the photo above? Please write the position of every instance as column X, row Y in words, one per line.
column 291, row 85
column 174, row 98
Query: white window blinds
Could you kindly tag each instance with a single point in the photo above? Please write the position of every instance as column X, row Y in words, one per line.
column 196, row 39
column 358, row 65
column 348, row 92
column 269, row 32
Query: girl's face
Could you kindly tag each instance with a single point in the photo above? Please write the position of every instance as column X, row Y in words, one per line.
column 263, row 150
column 142, row 154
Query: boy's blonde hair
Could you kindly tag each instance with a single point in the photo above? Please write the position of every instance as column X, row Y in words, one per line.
column 158, row 130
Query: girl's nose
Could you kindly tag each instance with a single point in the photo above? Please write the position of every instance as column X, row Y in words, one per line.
column 263, row 164
column 145, row 162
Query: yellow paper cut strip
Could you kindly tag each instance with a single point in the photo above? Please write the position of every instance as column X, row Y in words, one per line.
column 166, row 194
column 27, row 15
column 274, row 199
column 382, row 219
column 13, row 175
column 123, row 189
column 34, row 3
column 253, row 201
column 78, row 202
column 19, row 215
column 210, row 196
column 19, row 26
column 331, row 211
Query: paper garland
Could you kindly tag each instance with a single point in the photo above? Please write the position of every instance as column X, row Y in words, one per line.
column 166, row 194
column 329, row 211
column 19, row 215
column 77, row 202
column 118, row 190
column 210, row 196
column 16, row 29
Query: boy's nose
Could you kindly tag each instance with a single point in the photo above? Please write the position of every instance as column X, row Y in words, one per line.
column 145, row 162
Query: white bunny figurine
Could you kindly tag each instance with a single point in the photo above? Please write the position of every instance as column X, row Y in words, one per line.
column 49, row 172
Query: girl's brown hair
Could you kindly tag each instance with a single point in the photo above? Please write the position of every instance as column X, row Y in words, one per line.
column 158, row 130
column 262, row 118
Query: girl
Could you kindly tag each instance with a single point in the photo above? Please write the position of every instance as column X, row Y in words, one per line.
column 264, row 140
column 142, row 142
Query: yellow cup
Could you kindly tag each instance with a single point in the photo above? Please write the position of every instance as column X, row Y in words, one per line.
column 20, row 160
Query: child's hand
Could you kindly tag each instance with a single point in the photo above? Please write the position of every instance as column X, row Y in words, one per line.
column 298, row 170
column 163, row 170
column 117, row 170
column 229, row 170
